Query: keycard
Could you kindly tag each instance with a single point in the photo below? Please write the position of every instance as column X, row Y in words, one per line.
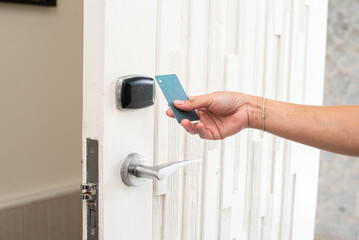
column 173, row 90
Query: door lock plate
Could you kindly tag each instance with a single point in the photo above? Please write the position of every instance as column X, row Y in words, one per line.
column 89, row 189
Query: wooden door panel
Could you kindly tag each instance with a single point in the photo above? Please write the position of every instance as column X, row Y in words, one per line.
column 250, row 186
column 119, row 39
column 247, row 185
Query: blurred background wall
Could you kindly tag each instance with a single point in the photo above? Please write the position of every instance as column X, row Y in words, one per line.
column 40, row 123
column 338, row 196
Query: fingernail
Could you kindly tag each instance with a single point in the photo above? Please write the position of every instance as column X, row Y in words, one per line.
column 178, row 102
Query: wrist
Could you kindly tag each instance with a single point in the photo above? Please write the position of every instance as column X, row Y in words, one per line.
column 254, row 111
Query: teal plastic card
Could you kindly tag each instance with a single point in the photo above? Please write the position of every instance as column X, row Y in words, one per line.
column 173, row 90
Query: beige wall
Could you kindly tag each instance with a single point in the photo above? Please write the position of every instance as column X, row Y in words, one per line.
column 40, row 101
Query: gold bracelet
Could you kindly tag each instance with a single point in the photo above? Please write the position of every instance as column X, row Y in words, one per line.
column 263, row 114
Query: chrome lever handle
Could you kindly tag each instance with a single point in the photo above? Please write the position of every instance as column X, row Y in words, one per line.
column 162, row 171
column 133, row 172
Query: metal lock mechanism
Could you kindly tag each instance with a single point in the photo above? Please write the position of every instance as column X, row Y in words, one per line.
column 134, row 92
column 89, row 189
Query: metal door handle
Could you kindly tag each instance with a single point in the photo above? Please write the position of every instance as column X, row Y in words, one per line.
column 133, row 172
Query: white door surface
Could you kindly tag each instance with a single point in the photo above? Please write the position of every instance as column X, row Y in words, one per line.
column 247, row 187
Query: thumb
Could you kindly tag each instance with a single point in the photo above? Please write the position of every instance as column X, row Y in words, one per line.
column 202, row 101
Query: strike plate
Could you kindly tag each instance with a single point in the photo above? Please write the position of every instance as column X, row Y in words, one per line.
column 90, row 189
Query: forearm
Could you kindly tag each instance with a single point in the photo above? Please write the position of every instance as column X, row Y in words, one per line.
column 331, row 128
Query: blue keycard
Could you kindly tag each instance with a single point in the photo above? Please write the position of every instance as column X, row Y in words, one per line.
column 173, row 90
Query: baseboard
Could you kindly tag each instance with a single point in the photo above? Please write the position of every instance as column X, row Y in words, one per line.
column 40, row 193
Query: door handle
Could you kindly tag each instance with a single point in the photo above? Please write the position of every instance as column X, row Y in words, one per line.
column 133, row 172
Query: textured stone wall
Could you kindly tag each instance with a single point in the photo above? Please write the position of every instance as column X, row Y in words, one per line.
column 338, row 196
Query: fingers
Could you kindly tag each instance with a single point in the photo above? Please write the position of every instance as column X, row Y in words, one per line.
column 189, row 127
column 197, row 128
column 203, row 101
column 170, row 113
column 203, row 132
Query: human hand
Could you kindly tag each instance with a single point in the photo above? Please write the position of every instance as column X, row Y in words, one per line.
column 221, row 114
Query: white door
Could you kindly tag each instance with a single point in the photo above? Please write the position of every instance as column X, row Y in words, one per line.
column 248, row 186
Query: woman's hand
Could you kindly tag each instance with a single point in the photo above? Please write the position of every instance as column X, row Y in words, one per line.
column 221, row 114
